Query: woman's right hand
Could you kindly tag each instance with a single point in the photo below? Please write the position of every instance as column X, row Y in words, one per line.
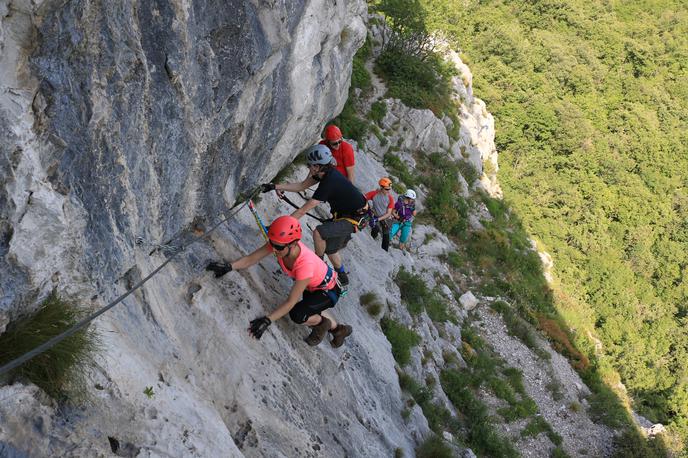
column 220, row 268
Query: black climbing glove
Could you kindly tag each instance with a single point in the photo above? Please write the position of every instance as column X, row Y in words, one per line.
column 267, row 187
column 258, row 326
column 220, row 268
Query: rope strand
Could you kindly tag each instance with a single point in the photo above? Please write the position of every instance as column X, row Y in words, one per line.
column 58, row 338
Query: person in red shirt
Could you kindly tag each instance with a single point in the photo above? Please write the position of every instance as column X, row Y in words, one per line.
column 315, row 286
column 342, row 151
column 382, row 208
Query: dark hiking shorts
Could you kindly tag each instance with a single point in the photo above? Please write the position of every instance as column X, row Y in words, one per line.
column 336, row 234
column 312, row 303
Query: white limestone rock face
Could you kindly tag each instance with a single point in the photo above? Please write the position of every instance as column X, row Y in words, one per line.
column 121, row 124
column 414, row 129
column 28, row 425
column 477, row 128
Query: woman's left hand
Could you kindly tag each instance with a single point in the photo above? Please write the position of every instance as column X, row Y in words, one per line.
column 258, row 326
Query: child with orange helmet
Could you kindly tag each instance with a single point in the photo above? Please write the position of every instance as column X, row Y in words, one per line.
column 315, row 286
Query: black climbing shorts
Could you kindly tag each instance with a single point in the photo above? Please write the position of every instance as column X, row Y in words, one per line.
column 312, row 303
column 336, row 234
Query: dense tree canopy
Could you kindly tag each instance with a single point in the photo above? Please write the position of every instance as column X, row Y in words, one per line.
column 591, row 108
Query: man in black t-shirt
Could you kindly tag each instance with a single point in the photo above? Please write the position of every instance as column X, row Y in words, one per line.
column 347, row 205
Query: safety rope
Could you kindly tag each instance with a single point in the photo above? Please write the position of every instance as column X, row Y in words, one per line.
column 287, row 200
column 259, row 222
column 58, row 338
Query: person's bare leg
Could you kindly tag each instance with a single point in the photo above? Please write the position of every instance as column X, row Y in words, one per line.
column 336, row 260
column 329, row 317
column 319, row 243
column 313, row 320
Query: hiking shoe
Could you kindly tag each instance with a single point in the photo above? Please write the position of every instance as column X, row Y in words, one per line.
column 343, row 279
column 318, row 332
column 341, row 332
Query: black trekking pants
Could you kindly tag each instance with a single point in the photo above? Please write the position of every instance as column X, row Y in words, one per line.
column 381, row 226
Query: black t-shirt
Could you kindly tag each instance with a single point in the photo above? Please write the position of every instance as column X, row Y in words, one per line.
column 335, row 189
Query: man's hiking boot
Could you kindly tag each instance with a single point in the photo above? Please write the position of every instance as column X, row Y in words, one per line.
column 318, row 332
column 341, row 332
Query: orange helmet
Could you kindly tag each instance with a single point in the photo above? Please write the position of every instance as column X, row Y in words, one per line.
column 284, row 230
column 385, row 182
column 332, row 133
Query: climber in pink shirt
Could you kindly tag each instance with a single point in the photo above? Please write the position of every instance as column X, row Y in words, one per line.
column 315, row 287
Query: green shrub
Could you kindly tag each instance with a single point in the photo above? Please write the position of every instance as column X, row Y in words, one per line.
column 378, row 110
column 521, row 409
column 560, row 453
column 539, row 425
column 414, row 291
column 60, row 371
column 401, row 338
column 374, row 309
column 399, row 169
column 468, row 172
column 368, row 298
column 434, row 447
column 444, row 204
column 360, row 77
column 482, row 437
column 631, row 445
column 454, row 131
column 439, row 418
column 454, row 260
column 418, row 83
column 418, row 297
column 437, row 309
column 419, row 393
column 351, row 125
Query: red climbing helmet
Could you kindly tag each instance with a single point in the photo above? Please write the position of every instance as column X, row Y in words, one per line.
column 332, row 133
column 284, row 230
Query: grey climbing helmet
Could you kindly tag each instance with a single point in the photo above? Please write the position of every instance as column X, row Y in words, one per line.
column 318, row 154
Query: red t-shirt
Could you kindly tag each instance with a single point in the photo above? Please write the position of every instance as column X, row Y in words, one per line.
column 344, row 156
column 308, row 265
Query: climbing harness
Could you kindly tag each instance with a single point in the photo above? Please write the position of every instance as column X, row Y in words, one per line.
column 359, row 223
column 58, row 338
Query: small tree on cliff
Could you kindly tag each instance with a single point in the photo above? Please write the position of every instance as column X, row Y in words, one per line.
column 406, row 30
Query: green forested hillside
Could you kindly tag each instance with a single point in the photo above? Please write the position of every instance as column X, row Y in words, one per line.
column 591, row 108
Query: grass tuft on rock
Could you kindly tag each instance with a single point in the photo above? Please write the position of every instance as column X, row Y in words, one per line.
column 418, row 297
column 401, row 338
column 61, row 370
column 371, row 302
column 434, row 447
